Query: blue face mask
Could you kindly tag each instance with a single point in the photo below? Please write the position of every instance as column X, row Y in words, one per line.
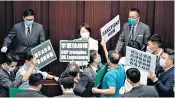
column 132, row 21
column 99, row 61
column 29, row 23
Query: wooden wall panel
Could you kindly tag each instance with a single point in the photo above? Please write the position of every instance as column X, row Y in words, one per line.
column 61, row 20
column 164, row 22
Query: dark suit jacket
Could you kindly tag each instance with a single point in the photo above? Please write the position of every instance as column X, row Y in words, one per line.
column 141, row 35
column 29, row 93
column 23, row 43
column 84, row 86
column 6, row 82
column 165, row 83
column 142, row 91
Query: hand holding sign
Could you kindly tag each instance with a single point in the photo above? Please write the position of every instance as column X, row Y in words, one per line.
column 152, row 76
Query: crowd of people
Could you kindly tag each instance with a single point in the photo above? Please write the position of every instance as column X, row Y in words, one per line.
column 119, row 80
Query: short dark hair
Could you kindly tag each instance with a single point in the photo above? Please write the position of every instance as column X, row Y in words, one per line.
column 134, row 44
column 113, row 56
column 28, row 12
column 29, row 56
column 156, row 39
column 68, row 82
column 86, row 26
column 11, row 57
column 136, row 10
column 133, row 74
column 170, row 53
column 93, row 55
column 35, row 79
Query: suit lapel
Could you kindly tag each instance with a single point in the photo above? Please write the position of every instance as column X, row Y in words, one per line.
column 137, row 31
column 24, row 37
column 128, row 35
column 32, row 33
column 6, row 72
column 92, row 71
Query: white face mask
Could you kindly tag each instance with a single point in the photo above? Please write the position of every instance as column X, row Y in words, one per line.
column 149, row 50
column 85, row 35
column 162, row 62
column 11, row 68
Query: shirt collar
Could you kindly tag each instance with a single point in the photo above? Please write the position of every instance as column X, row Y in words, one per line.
column 69, row 91
column 94, row 68
column 135, row 25
column 5, row 69
column 118, row 66
column 160, row 52
column 32, row 89
column 27, row 26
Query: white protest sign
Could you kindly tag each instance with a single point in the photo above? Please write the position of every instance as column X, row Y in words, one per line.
column 110, row 29
column 141, row 60
column 44, row 53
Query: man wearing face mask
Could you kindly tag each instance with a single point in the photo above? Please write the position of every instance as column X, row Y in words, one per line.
column 133, row 30
column 6, row 77
column 26, row 69
column 87, row 79
column 35, row 84
column 27, row 34
column 154, row 46
column 164, row 78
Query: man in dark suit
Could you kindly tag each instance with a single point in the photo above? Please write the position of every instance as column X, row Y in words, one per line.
column 72, row 70
column 138, row 90
column 6, row 77
column 133, row 30
column 27, row 34
column 154, row 46
column 164, row 79
column 35, row 84
column 87, row 78
column 68, row 85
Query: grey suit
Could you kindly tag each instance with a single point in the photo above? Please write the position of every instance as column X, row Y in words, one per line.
column 141, row 35
column 85, row 84
column 142, row 91
column 7, row 82
column 22, row 42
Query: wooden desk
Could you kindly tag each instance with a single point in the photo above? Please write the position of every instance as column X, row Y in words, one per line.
column 51, row 88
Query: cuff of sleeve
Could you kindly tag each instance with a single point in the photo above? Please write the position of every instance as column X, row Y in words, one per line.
column 155, row 80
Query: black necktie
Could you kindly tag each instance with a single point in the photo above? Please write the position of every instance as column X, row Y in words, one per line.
column 28, row 31
column 132, row 33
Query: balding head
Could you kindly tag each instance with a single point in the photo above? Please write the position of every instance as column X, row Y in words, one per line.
column 113, row 57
